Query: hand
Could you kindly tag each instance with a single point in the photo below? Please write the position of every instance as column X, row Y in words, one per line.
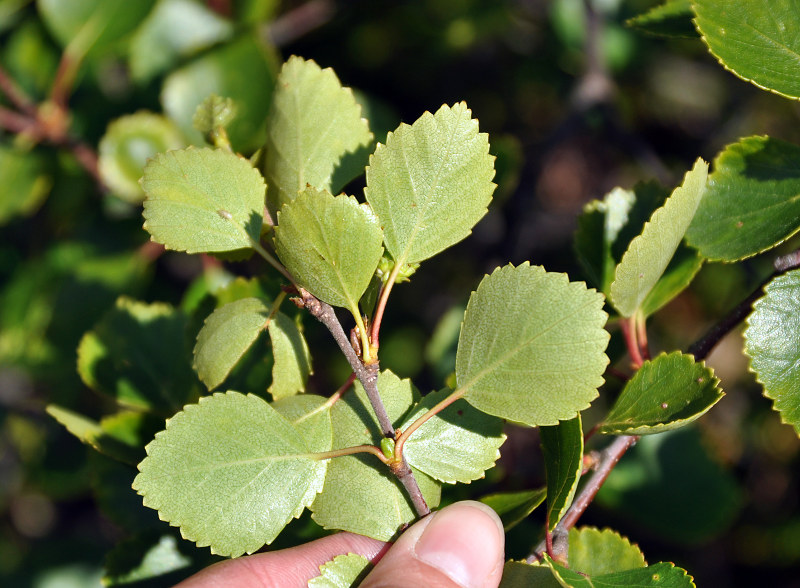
column 460, row 546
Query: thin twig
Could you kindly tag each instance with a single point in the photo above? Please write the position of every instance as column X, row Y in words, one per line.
column 380, row 308
column 17, row 123
column 703, row 346
column 608, row 459
column 299, row 22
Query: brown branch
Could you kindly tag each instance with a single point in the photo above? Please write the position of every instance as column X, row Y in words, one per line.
column 299, row 22
column 18, row 123
column 608, row 459
column 703, row 346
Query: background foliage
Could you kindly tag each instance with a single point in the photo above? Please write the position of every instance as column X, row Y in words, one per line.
column 568, row 121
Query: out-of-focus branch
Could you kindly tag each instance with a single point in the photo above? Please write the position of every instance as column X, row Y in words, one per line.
column 299, row 22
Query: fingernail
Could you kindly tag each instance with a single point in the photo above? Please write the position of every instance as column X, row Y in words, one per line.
column 462, row 541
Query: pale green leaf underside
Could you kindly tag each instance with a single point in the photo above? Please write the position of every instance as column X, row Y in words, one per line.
column 330, row 244
column 137, row 355
column 660, row 575
column 773, row 346
column 313, row 122
column 649, row 254
column 225, row 337
column 292, row 359
column 360, row 494
column 752, row 202
column 203, row 200
column 343, row 571
column 532, row 346
column 457, row 445
column 431, row 183
column 231, row 472
column 666, row 393
column 596, row 552
column 514, row 507
column 756, row 40
column 562, row 450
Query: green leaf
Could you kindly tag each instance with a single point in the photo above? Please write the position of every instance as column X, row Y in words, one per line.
column 220, row 469
column 519, row 574
column 93, row 434
column 773, row 346
column 330, row 244
column 243, row 70
column 343, row 571
column 201, row 200
column 376, row 505
column 679, row 273
column 457, row 445
column 752, row 202
column 562, row 449
column 756, row 40
column 173, row 30
column 138, row 355
column 531, row 346
column 313, row 123
column 671, row 19
column 514, row 507
column 661, row 575
column 85, row 26
column 215, row 112
column 598, row 228
column 431, row 183
column 127, row 145
column 292, row 359
column 25, row 183
column 225, row 337
column 666, row 393
column 594, row 552
column 649, row 254
column 153, row 555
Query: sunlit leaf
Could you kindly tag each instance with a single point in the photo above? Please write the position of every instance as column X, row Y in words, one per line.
column 313, row 124
column 360, row 494
column 514, row 507
column 431, row 183
column 756, row 40
column 457, row 445
column 343, row 571
column 231, row 472
column 532, row 346
column 91, row 433
column 649, row 254
column 562, row 449
column 292, row 359
column 127, row 145
column 678, row 274
column 661, row 575
column 666, row 393
column 596, row 552
column 773, row 346
column 137, row 354
column 752, row 202
column 226, row 335
column 201, row 200
column 330, row 244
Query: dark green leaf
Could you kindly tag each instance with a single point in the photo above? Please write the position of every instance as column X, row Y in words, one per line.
column 431, row 183
column 225, row 337
column 138, row 355
column 562, row 448
column 313, row 123
column 518, row 574
column 661, row 575
column 671, row 19
column 752, row 202
column 25, row 183
column 756, row 40
column 152, row 556
column 531, row 347
column 773, row 346
column 127, row 145
column 457, row 445
column 679, row 273
column 201, row 200
column 514, row 507
column 330, row 244
column 220, row 462
column 666, row 393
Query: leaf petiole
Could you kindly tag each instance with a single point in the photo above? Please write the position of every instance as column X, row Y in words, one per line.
column 351, row 451
column 401, row 439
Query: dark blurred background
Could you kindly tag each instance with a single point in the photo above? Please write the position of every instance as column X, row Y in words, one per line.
column 575, row 103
